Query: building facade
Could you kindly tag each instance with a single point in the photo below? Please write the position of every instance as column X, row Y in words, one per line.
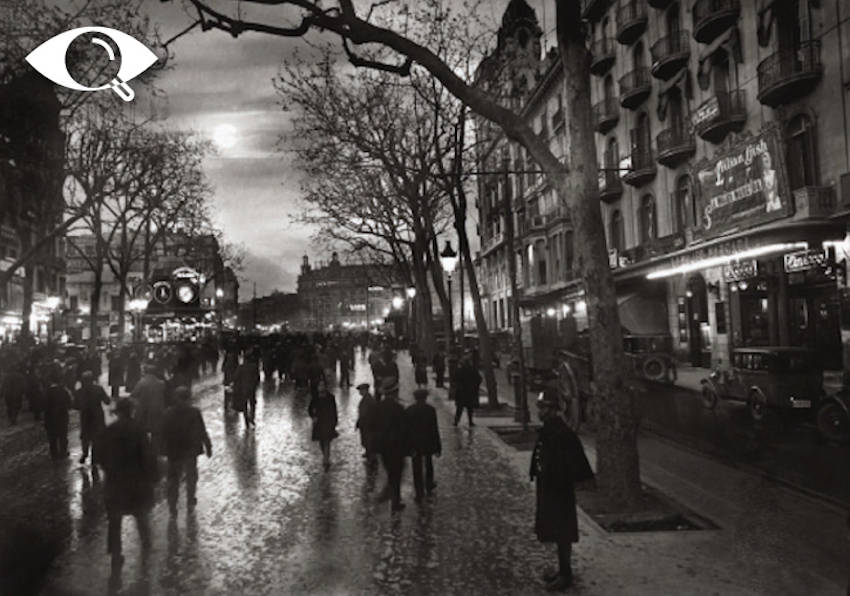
column 722, row 141
column 344, row 296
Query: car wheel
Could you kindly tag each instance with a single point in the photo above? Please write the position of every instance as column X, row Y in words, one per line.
column 654, row 369
column 709, row 397
column 757, row 405
column 833, row 422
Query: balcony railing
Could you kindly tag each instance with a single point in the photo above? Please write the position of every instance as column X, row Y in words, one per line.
column 635, row 87
column 670, row 53
column 643, row 167
column 592, row 10
column 719, row 114
column 610, row 187
column 602, row 55
column 713, row 17
column 606, row 113
column 660, row 4
column 631, row 20
column 675, row 145
column 789, row 74
column 814, row 201
column 555, row 215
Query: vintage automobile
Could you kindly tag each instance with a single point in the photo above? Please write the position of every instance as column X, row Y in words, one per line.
column 788, row 379
column 833, row 415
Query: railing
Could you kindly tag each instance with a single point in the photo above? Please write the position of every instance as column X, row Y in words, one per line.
column 677, row 44
column 718, row 109
column 706, row 9
column 635, row 80
column 642, row 158
column 602, row 54
column 675, row 138
column 630, row 11
column 814, row 201
column 605, row 111
column 786, row 64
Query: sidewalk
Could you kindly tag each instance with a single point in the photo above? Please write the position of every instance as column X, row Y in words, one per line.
column 771, row 540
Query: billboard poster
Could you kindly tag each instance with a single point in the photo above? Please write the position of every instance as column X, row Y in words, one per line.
column 743, row 186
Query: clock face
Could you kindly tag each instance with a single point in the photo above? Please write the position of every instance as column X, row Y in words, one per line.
column 185, row 294
column 162, row 292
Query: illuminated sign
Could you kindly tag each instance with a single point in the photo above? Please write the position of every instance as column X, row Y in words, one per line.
column 740, row 270
column 805, row 259
column 357, row 307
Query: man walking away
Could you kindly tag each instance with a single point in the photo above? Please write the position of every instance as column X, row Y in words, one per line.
column 89, row 401
column 467, row 382
column 557, row 464
column 130, row 478
column 149, row 398
column 185, row 438
column 391, row 436
column 57, row 403
column 366, row 411
column 424, row 437
column 440, row 367
column 14, row 388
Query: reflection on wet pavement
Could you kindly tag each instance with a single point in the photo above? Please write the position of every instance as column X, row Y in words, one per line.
column 269, row 520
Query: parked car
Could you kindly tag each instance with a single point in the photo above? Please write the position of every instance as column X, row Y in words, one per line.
column 833, row 415
column 785, row 378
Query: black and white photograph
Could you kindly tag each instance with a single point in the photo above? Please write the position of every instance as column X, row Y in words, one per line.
column 424, row 297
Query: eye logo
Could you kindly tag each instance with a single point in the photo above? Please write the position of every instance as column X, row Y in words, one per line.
column 49, row 59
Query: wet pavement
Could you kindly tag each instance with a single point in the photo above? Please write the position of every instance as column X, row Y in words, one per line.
column 269, row 520
column 789, row 451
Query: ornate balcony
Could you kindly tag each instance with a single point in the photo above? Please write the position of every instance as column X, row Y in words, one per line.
column 606, row 113
column 790, row 74
column 602, row 56
column 643, row 167
column 635, row 87
column 556, row 215
column 814, row 201
column 592, row 10
column 660, row 4
column 610, row 187
column 675, row 145
column 719, row 115
column 713, row 17
column 631, row 21
column 669, row 54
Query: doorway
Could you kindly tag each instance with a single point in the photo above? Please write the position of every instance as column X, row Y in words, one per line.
column 699, row 332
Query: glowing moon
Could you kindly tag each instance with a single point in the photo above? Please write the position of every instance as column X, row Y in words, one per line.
column 224, row 135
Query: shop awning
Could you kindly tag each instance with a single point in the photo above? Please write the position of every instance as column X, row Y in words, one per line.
column 642, row 315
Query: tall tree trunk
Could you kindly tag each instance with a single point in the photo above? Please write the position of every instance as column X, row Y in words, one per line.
column 433, row 264
column 424, row 318
column 615, row 405
column 24, row 233
column 122, row 307
column 94, row 306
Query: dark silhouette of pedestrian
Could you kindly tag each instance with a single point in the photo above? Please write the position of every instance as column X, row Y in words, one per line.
column 344, row 367
column 557, row 464
column 466, row 385
column 116, row 372
column 149, row 398
column 131, row 474
column 184, row 437
column 391, row 434
column 134, row 370
column 322, row 410
column 90, row 399
column 366, row 412
column 57, row 403
column 423, row 435
column 229, row 365
column 440, row 367
column 420, row 373
column 247, row 379
column 14, row 389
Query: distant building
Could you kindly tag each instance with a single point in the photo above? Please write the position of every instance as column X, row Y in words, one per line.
column 277, row 311
column 348, row 296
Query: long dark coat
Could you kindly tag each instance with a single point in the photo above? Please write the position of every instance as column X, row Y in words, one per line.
column 366, row 417
column 130, row 467
column 390, row 429
column 57, row 400
column 423, row 434
column 322, row 408
column 557, row 463
column 467, row 382
column 88, row 400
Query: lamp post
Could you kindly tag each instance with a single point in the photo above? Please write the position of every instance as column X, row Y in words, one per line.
column 448, row 260
column 411, row 294
column 137, row 306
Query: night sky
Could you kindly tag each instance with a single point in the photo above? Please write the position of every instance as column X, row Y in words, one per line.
column 222, row 87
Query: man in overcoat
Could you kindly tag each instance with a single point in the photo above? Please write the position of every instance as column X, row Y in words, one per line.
column 423, row 436
column 391, row 435
column 90, row 399
column 366, row 411
column 466, row 384
column 149, row 398
column 57, row 400
column 184, row 437
column 130, row 468
column 439, row 364
column 557, row 464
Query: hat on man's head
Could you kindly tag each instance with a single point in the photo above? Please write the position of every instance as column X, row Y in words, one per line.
column 420, row 394
column 389, row 385
column 362, row 386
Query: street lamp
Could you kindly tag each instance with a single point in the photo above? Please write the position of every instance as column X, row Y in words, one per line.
column 448, row 259
column 138, row 306
column 398, row 302
column 411, row 294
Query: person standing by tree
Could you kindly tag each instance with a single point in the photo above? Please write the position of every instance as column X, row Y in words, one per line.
column 424, row 438
column 466, row 382
column 131, row 474
column 322, row 410
column 558, row 462
column 439, row 366
column 185, row 437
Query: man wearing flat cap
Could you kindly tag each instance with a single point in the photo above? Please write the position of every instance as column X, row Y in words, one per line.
column 391, row 438
column 424, row 442
column 366, row 411
column 557, row 464
column 88, row 400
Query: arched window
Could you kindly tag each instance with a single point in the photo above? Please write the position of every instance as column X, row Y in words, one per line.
column 617, row 231
column 647, row 220
column 683, row 205
column 612, row 153
column 638, row 55
column 800, row 152
column 603, row 32
column 608, row 87
column 672, row 18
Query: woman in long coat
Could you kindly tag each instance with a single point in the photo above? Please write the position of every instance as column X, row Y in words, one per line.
column 557, row 463
column 322, row 410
